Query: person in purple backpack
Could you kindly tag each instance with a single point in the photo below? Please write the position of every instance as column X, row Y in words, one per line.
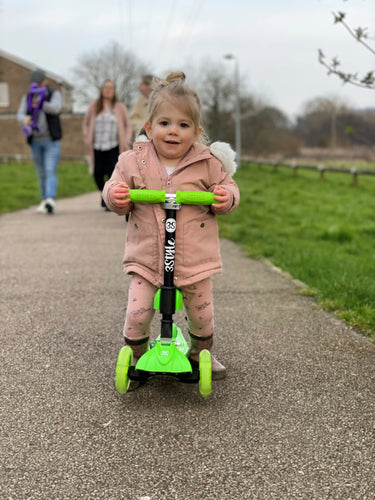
column 39, row 112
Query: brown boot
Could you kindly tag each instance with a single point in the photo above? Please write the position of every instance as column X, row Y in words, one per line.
column 197, row 345
column 139, row 347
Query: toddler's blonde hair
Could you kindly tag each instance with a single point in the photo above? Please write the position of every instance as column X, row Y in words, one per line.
column 173, row 89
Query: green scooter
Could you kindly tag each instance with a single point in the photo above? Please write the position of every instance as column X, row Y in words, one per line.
column 168, row 353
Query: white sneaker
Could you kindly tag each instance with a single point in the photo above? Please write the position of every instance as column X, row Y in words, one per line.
column 50, row 205
column 42, row 208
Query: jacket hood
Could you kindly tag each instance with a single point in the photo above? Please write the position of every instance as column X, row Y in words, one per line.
column 221, row 150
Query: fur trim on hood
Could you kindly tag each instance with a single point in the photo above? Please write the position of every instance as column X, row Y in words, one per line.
column 142, row 138
column 226, row 155
column 221, row 150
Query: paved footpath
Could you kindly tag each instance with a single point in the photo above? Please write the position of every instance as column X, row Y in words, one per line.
column 293, row 420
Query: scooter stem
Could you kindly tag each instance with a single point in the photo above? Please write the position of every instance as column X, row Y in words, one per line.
column 168, row 289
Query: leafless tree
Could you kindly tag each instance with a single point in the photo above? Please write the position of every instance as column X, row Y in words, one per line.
column 319, row 123
column 216, row 91
column 264, row 129
column 111, row 62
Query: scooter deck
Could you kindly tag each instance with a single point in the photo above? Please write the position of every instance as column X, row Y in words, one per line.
column 166, row 355
column 142, row 376
column 166, row 358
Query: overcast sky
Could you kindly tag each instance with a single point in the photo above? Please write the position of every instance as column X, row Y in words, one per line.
column 276, row 42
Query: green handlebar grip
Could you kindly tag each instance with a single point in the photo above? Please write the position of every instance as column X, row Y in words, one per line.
column 182, row 197
column 147, row 196
column 195, row 197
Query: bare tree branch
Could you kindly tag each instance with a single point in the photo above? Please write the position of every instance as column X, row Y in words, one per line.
column 367, row 80
column 359, row 34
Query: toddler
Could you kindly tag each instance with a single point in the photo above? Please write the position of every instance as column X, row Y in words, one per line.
column 173, row 158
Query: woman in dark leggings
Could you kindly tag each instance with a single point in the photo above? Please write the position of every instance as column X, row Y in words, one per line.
column 107, row 132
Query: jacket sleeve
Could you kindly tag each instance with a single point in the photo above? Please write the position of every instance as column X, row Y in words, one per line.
column 127, row 125
column 22, row 110
column 218, row 177
column 86, row 125
column 117, row 177
column 137, row 116
column 123, row 126
column 53, row 107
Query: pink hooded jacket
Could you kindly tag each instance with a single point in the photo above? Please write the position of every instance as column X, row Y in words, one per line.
column 197, row 240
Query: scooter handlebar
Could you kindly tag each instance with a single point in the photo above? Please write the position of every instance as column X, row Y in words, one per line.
column 147, row 196
column 182, row 197
column 195, row 197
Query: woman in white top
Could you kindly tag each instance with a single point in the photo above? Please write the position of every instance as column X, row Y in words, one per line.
column 107, row 132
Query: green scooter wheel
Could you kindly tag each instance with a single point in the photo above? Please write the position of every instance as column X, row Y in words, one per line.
column 124, row 361
column 205, row 373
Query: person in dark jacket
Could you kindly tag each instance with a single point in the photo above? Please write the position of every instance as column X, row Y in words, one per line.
column 39, row 112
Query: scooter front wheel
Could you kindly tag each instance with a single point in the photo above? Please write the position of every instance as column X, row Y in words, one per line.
column 205, row 373
column 124, row 361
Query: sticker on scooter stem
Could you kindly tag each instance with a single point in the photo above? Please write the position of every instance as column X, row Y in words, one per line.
column 169, row 252
column 170, row 225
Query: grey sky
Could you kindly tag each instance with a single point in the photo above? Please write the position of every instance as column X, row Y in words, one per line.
column 276, row 41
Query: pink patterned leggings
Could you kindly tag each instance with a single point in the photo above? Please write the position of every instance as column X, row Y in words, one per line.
column 140, row 311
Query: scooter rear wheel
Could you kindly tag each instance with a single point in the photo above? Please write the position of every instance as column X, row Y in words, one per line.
column 205, row 373
column 124, row 361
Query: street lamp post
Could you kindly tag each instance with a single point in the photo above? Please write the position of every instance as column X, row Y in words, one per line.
column 237, row 107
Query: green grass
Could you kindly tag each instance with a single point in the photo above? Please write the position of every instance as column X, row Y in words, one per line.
column 19, row 184
column 320, row 231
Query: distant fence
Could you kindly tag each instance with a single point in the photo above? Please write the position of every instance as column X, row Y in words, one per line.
column 320, row 169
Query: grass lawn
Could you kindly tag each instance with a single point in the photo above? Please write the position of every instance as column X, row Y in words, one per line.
column 19, row 184
column 320, row 231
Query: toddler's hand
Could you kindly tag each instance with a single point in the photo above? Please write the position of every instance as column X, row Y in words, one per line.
column 223, row 196
column 119, row 196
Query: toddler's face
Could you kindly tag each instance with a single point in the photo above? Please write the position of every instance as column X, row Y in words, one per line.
column 172, row 132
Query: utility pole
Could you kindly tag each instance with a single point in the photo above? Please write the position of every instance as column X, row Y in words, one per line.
column 237, row 107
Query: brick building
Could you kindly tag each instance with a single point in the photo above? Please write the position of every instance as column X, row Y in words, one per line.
column 14, row 83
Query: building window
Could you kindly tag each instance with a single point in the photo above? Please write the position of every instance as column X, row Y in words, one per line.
column 4, row 95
